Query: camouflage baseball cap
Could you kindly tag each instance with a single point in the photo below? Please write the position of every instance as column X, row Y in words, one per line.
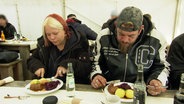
column 130, row 19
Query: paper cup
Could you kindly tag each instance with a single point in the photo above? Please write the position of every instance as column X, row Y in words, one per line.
column 113, row 99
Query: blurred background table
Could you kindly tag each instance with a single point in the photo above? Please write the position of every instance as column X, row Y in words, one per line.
column 24, row 48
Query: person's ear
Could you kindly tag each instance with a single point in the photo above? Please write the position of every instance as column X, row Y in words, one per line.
column 141, row 29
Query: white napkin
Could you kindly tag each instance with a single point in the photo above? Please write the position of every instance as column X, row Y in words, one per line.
column 6, row 80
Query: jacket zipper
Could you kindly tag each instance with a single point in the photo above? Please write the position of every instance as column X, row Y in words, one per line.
column 126, row 63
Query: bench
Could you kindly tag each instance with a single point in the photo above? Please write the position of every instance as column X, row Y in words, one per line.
column 13, row 69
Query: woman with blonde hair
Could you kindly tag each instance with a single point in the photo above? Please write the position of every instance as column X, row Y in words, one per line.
column 60, row 45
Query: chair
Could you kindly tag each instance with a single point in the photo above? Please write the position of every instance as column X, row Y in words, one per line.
column 13, row 69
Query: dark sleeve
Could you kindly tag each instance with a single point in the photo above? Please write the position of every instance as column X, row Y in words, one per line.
column 98, row 62
column 34, row 62
column 90, row 34
column 102, row 63
column 81, row 64
column 106, row 24
column 155, row 70
column 160, row 68
column 176, row 60
column 176, row 56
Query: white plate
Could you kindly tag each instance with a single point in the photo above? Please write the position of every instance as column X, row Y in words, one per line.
column 116, row 84
column 27, row 89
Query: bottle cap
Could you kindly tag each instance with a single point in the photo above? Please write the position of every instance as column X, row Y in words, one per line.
column 69, row 64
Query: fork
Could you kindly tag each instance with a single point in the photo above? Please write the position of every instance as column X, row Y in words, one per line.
column 19, row 97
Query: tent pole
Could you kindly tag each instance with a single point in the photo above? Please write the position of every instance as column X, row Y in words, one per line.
column 64, row 8
column 177, row 21
column 18, row 19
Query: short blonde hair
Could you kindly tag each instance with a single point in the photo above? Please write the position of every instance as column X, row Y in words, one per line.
column 49, row 21
column 54, row 21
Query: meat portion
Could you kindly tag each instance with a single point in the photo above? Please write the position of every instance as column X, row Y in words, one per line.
column 36, row 87
column 112, row 89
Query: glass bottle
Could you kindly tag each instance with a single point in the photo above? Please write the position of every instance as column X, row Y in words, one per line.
column 2, row 36
column 15, row 36
column 179, row 96
column 140, row 87
column 70, row 81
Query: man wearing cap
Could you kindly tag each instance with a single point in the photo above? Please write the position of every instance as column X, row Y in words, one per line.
column 132, row 41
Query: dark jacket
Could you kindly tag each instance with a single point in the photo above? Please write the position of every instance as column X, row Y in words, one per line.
column 108, row 23
column 147, row 50
column 82, row 28
column 50, row 58
column 176, row 59
column 9, row 31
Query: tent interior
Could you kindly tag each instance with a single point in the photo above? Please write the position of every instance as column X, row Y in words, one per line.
column 27, row 15
column 120, row 62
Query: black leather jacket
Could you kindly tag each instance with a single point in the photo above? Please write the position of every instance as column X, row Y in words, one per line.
column 147, row 50
column 176, row 59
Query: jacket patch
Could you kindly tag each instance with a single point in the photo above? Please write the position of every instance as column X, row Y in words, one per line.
column 110, row 51
column 144, row 54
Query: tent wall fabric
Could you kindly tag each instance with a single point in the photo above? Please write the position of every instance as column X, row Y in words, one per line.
column 27, row 15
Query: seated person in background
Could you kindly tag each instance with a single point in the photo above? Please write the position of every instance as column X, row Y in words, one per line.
column 176, row 59
column 8, row 29
column 149, row 16
column 59, row 46
column 114, row 15
column 82, row 28
column 133, row 41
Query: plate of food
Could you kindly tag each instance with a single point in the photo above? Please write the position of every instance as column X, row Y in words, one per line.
column 43, row 86
column 124, row 90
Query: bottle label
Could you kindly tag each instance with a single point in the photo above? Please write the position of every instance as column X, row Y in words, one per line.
column 71, row 83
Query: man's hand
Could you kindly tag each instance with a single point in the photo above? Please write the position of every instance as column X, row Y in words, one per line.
column 155, row 87
column 60, row 71
column 98, row 81
column 40, row 72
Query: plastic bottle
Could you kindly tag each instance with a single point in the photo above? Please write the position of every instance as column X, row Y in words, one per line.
column 2, row 36
column 70, row 81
